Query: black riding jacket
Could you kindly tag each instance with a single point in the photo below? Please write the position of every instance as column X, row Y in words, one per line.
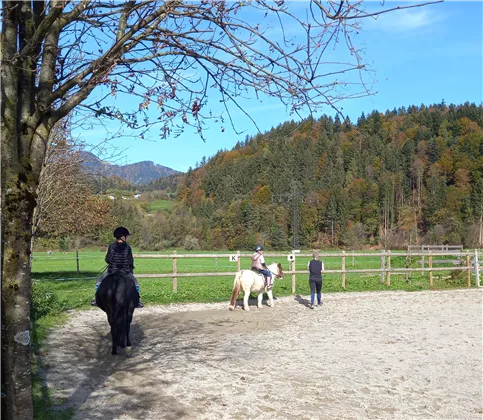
column 119, row 257
column 315, row 268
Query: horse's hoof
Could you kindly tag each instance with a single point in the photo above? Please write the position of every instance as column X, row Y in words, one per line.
column 246, row 309
column 231, row 308
column 128, row 351
column 113, row 352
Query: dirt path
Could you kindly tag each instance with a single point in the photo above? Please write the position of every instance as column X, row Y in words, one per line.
column 389, row 355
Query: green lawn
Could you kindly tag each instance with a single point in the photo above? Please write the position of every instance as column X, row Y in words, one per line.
column 58, row 274
column 157, row 205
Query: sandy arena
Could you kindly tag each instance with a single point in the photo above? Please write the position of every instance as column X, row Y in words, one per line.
column 379, row 355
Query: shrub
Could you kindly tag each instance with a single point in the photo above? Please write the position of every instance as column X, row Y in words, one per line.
column 191, row 243
column 44, row 302
column 162, row 245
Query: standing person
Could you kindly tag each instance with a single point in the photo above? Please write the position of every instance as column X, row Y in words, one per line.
column 258, row 263
column 315, row 279
column 119, row 258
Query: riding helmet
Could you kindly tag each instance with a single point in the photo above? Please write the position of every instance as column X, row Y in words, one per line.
column 120, row 231
column 259, row 248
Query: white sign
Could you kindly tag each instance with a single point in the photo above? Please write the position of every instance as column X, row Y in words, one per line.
column 233, row 258
column 295, row 251
column 291, row 257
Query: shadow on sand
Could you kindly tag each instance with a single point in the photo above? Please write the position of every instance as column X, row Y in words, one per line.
column 96, row 385
column 302, row 301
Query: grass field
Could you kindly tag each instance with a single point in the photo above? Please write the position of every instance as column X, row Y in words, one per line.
column 58, row 274
column 157, row 205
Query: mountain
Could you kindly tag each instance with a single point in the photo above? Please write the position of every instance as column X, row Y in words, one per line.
column 139, row 173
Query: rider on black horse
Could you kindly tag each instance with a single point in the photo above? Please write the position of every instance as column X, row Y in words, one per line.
column 258, row 264
column 119, row 258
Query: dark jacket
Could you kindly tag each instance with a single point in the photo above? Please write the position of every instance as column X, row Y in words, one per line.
column 119, row 257
column 315, row 268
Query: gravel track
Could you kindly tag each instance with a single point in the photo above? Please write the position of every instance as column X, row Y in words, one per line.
column 374, row 355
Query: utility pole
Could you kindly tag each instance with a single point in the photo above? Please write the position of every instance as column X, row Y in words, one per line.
column 295, row 196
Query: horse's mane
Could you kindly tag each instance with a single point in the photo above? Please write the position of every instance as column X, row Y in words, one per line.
column 273, row 267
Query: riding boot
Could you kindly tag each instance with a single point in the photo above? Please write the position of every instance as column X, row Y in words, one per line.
column 140, row 304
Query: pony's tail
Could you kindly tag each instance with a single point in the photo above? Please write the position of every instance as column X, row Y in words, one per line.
column 236, row 291
column 120, row 328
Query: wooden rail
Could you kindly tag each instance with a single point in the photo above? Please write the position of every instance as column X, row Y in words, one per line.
column 386, row 268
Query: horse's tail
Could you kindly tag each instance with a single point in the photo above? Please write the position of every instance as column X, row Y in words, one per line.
column 236, row 290
column 119, row 328
column 122, row 315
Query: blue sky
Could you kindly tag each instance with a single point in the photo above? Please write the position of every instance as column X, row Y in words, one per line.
column 420, row 56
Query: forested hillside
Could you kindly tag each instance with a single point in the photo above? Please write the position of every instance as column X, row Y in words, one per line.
column 407, row 176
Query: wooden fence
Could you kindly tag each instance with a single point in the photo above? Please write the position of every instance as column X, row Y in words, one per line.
column 470, row 258
column 422, row 248
column 426, row 248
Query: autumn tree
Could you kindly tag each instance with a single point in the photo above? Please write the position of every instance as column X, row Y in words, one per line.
column 172, row 55
column 65, row 202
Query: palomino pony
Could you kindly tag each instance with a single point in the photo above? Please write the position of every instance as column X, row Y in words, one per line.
column 250, row 281
column 117, row 297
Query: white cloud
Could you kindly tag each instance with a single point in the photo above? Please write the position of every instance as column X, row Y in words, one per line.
column 406, row 20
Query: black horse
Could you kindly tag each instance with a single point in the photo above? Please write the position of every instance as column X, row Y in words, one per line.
column 117, row 297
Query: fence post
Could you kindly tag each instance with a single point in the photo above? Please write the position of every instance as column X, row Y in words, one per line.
column 343, row 269
column 293, row 275
column 383, row 265
column 77, row 261
column 468, row 269
column 175, row 270
column 477, row 269
column 353, row 259
column 388, row 272
column 430, row 268
column 407, row 263
column 238, row 261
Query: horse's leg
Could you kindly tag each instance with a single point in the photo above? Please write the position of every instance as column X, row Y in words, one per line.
column 114, row 339
column 260, row 298
column 128, row 329
column 245, row 300
column 113, row 331
column 270, row 298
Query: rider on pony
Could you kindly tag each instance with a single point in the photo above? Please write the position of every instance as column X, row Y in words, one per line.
column 258, row 264
column 119, row 258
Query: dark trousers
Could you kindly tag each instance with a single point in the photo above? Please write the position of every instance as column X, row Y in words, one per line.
column 315, row 286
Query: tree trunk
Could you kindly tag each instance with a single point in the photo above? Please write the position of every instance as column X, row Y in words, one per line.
column 17, row 210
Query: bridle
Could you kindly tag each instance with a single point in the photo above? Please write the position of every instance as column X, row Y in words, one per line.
column 276, row 274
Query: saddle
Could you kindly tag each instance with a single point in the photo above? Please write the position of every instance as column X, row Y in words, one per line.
column 257, row 271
